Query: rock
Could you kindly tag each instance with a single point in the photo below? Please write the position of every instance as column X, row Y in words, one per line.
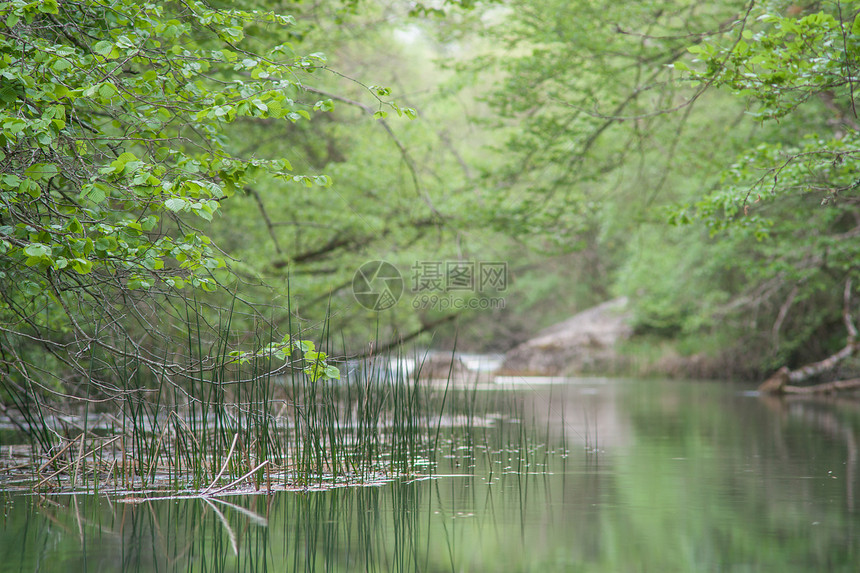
column 441, row 365
column 583, row 343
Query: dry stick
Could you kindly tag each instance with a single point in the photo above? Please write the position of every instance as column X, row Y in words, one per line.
column 846, row 313
column 79, row 520
column 56, row 473
column 266, row 219
column 248, row 464
column 82, row 456
column 100, row 448
column 104, row 445
column 13, row 468
column 124, row 468
column 58, row 454
column 184, row 424
column 223, row 467
column 67, row 466
column 151, row 471
column 112, row 470
column 830, row 362
column 229, row 485
column 78, row 463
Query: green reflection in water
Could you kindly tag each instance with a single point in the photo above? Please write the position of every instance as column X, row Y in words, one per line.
column 659, row 477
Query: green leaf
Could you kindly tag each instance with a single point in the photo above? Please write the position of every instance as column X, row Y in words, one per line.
column 30, row 289
column 104, row 48
column 48, row 7
column 74, row 226
column 61, row 65
column 138, row 282
column 149, row 223
column 106, row 244
column 39, row 171
column 14, row 125
column 176, row 204
column 305, row 345
column 153, row 264
column 31, row 188
column 10, row 181
column 37, row 250
column 107, row 90
column 82, row 266
column 120, row 162
column 8, row 94
column 95, row 192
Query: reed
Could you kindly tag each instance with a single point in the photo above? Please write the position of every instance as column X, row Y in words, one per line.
column 262, row 424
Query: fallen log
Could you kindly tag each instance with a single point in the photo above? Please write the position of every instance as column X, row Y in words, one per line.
column 824, row 388
column 778, row 383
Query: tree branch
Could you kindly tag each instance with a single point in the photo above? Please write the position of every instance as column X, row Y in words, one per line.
column 266, row 219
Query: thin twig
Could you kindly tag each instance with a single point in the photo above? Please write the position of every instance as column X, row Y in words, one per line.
column 224, row 466
column 238, row 480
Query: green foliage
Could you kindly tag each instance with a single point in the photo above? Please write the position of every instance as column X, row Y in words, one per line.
column 576, row 89
column 315, row 366
column 111, row 119
column 154, row 152
column 782, row 216
column 732, row 122
column 116, row 121
column 781, row 61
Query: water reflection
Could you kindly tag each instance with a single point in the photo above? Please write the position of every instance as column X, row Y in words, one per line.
column 591, row 476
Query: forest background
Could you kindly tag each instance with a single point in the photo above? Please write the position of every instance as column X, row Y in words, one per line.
column 185, row 180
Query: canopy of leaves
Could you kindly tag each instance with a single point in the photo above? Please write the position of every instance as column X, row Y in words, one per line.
column 113, row 151
column 161, row 157
column 734, row 120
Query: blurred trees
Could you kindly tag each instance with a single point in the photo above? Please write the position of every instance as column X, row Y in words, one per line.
column 733, row 122
column 698, row 157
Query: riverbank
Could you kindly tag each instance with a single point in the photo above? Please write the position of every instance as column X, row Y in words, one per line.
column 603, row 340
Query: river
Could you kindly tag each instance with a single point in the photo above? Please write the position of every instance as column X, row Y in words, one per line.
column 587, row 474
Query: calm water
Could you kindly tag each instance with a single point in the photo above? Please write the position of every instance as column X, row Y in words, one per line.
column 635, row 476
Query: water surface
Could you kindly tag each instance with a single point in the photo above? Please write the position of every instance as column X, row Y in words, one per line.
column 583, row 475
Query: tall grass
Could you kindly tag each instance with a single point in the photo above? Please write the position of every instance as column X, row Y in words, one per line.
column 219, row 424
column 260, row 424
